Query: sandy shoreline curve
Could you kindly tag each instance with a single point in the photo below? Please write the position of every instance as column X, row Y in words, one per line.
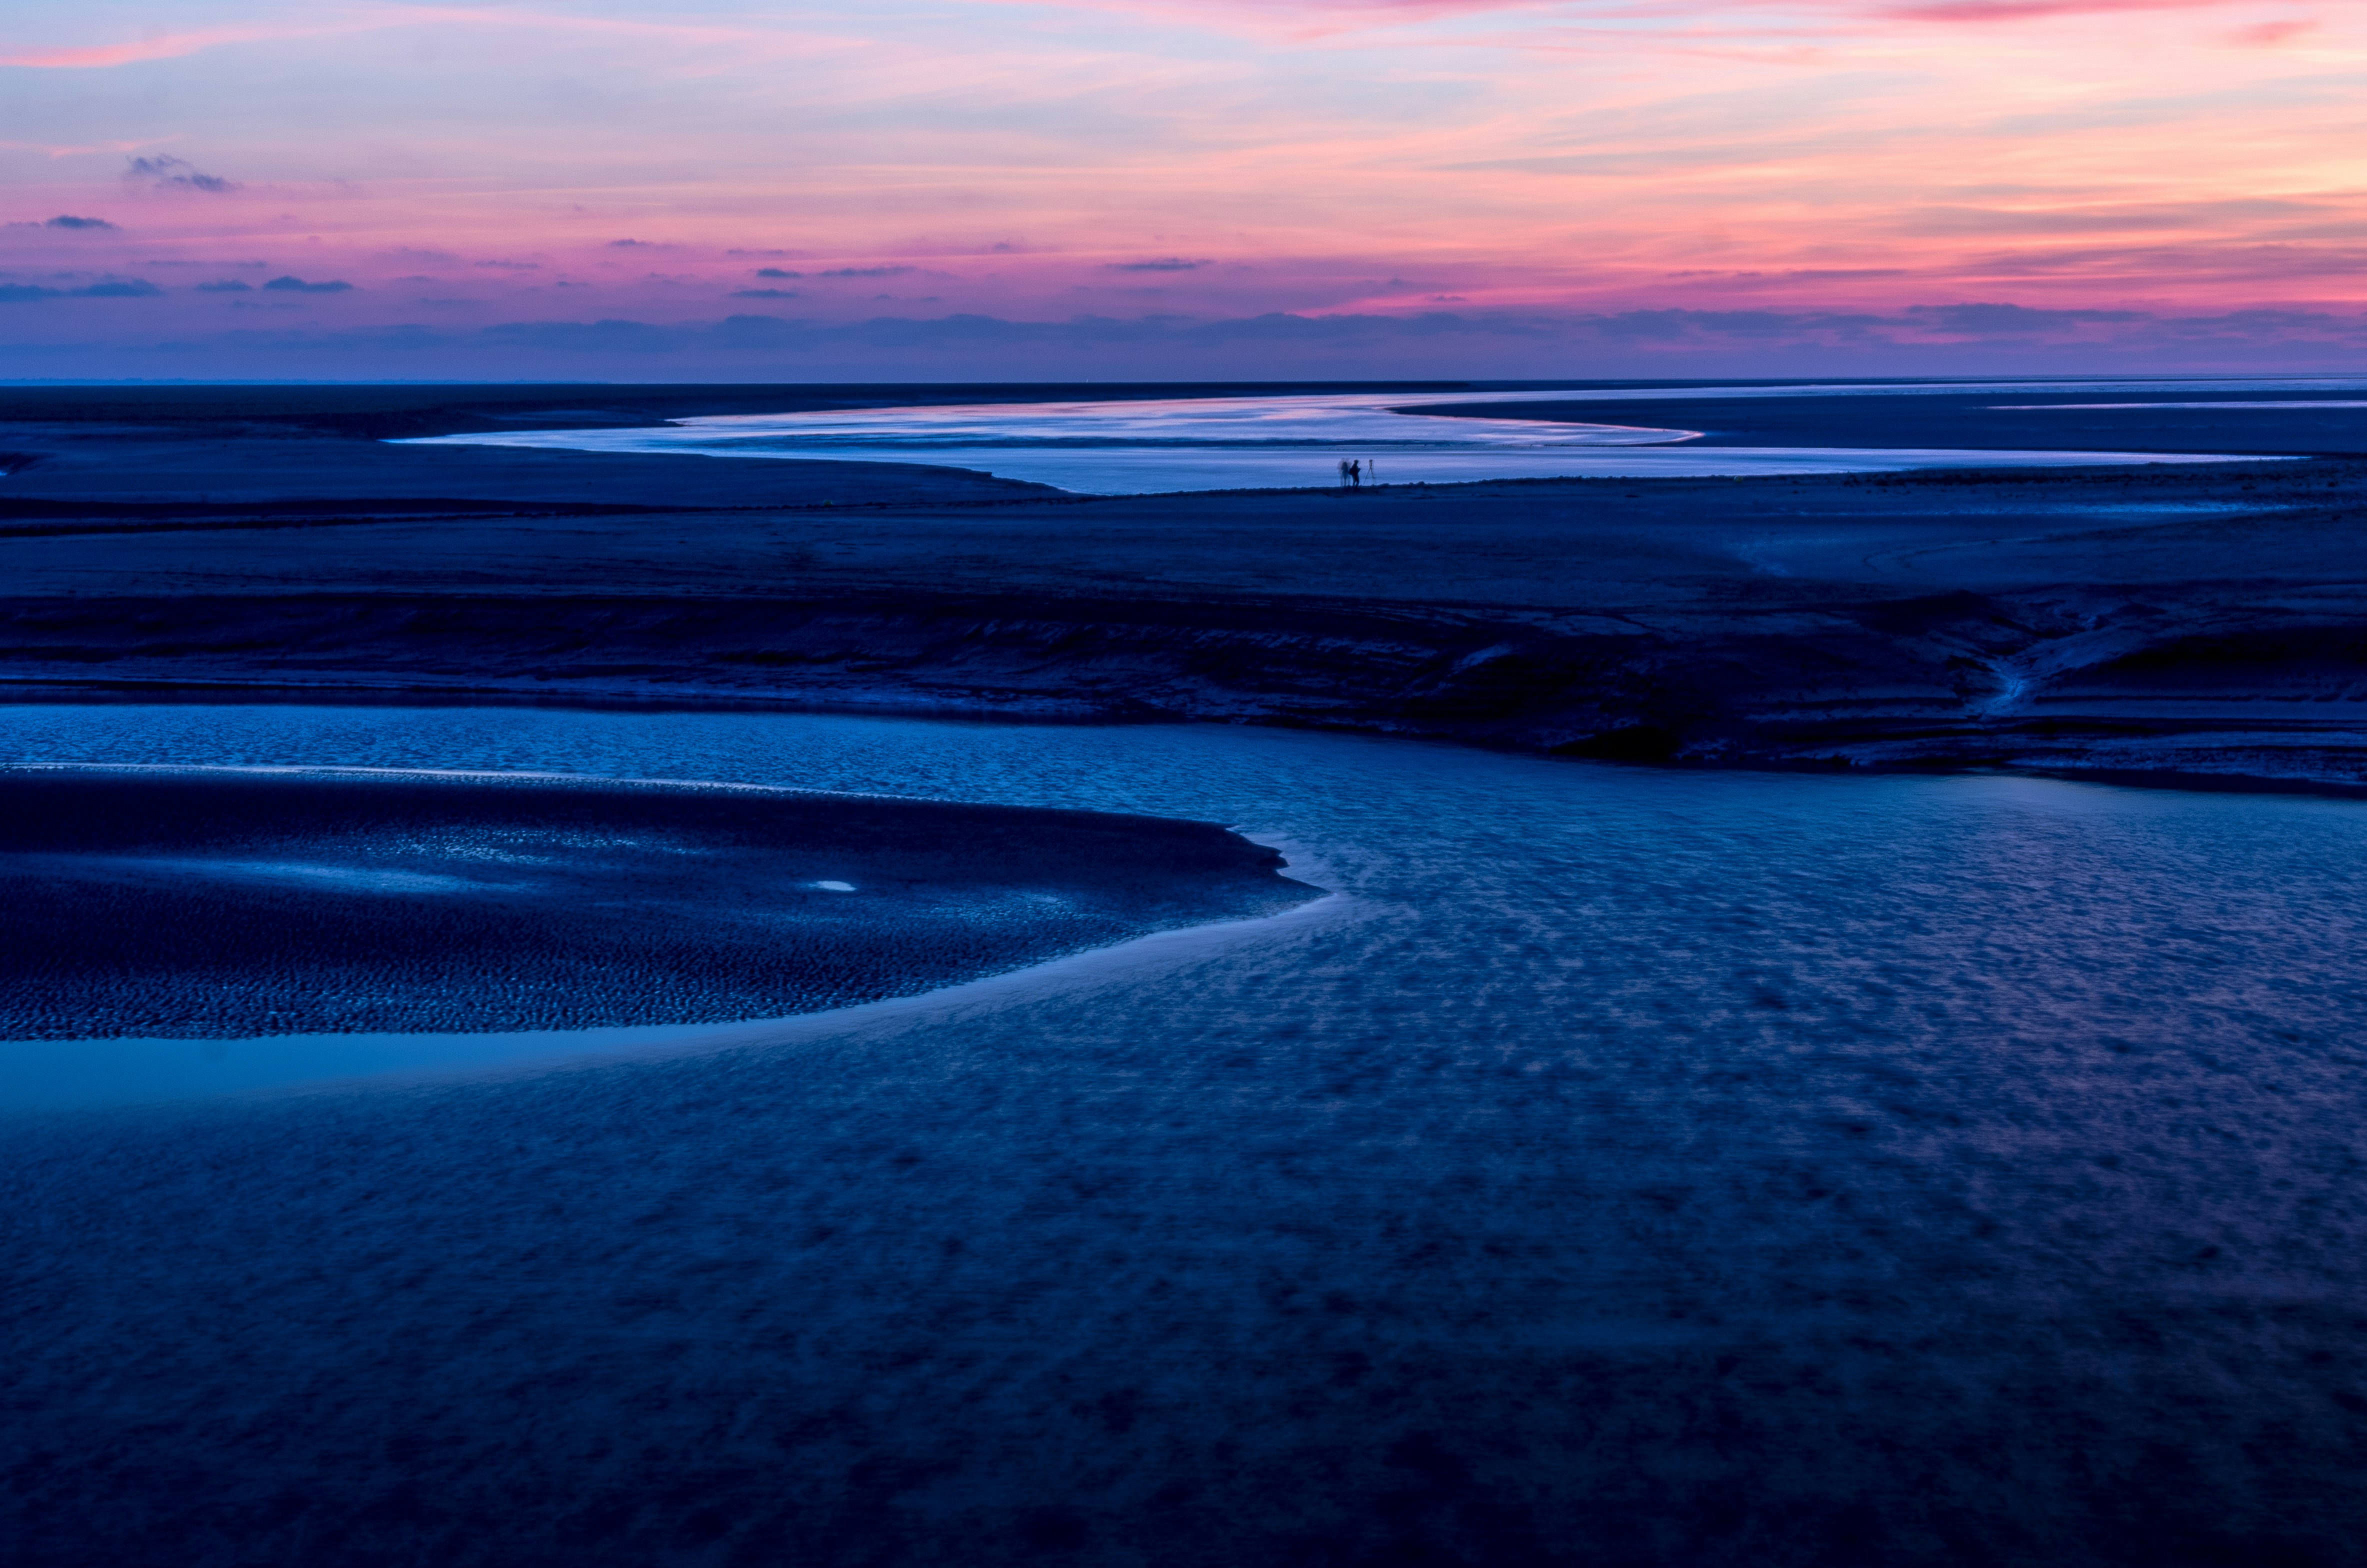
column 165, row 926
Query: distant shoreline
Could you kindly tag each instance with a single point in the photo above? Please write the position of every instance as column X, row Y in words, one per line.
column 2205, row 620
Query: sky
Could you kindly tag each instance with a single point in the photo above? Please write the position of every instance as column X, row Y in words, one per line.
column 1138, row 189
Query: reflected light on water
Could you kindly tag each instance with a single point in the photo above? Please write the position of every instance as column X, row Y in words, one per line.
column 1298, row 441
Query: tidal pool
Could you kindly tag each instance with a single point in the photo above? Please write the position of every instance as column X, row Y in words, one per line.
column 1629, row 1167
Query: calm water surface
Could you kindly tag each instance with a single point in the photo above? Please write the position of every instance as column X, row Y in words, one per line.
column 1632, row 1168
column 1152, row 446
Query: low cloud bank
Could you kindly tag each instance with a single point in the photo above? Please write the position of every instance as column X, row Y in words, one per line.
column 1973, row 337
column 1918, row 325
column 105, row 289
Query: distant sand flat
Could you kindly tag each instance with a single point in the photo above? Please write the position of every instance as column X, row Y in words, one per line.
column 1296, row 441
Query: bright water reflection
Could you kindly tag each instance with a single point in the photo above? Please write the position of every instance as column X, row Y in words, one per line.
column 1179, row 444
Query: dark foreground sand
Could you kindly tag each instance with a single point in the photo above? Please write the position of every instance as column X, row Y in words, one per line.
column 2207, row 620
column 221, row 904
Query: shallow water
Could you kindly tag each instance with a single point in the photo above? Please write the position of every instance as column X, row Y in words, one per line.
column 1152, row 446
column 1633, row 1167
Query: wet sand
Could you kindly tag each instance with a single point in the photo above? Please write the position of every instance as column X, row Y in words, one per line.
column 226, row 904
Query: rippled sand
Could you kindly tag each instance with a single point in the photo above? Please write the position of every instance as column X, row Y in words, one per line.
column 225, row 903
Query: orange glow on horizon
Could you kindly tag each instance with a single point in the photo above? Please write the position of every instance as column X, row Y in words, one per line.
column 1135, row 160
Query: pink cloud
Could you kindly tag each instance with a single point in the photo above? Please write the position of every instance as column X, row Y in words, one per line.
column 71, row 149
column 2032, row 10
column 173, row 46
column 1392, row 156
column 2268, row 35
column 1326, row 15
column 169, row 46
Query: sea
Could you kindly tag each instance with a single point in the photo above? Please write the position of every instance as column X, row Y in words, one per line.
column 1615, row 1166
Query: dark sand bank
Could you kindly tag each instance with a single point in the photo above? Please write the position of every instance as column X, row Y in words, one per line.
column 387, row 412
column 1868, row 414
column 2188, row 619
column 2137, row 619
column 141, row 477
column 2033, row 418
column 223, row 904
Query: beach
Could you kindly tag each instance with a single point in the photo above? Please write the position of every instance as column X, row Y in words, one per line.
column 2186, row 620
column 644, row 1007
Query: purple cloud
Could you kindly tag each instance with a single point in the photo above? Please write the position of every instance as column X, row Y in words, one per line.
column 167, row 173
column 106, row 289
